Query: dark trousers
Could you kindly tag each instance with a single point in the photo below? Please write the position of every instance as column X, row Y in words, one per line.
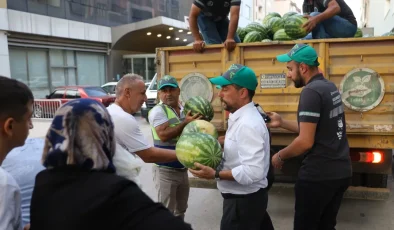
column 244, row 212
column 317, row 203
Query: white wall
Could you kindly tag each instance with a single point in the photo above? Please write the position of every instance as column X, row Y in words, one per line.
column 246, row 14
column 48, row 26
column 377, row 18
column 4, row 56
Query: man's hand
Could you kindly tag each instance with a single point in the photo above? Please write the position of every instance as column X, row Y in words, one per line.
column 276, row 120
column 310, row 24
column 189, row 117
column 27, row 227
column 221, row 140
column 198, row 46
column 205, row 172
column 230, row 44
column 276, row 162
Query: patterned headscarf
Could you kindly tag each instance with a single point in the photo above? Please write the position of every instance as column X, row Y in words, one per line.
column 81, row 133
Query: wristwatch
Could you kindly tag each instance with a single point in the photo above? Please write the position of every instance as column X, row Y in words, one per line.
column 217, row 177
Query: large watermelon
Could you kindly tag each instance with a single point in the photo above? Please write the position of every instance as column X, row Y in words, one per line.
column 255, row 26
column 241, row 33
column 253, row 36
column 281, row 35
column 293, row 26
column 198, row 147
column 275, row 24
column 359, row 33
column 288, row 14
column 199, row 105
column 201, row 126
column 269, row 16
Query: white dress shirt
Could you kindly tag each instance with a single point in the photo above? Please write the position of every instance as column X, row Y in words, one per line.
column 246, row 152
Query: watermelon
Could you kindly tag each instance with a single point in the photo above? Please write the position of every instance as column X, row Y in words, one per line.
column 269, row 16
column 266, row 40
column 253, row 36
column 288, row 14
column 241, row 33
column 359, row 33
column 293, row 26
column 199, row 105
column 281, row 35
column 201, row 126
column 198, row 147
column 255, row 26
column 275, row 24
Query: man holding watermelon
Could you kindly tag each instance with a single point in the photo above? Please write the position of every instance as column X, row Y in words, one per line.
column 211, row 18
column 167, row 122
column 242, row 178
column 329, row 19
column 325, row 173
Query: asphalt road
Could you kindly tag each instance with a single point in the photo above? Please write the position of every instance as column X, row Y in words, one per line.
column 205, row 205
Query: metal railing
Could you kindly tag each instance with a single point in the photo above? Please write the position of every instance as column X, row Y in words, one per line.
column 45, row 108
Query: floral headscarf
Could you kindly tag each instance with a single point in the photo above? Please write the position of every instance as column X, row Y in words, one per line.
column 81, row 133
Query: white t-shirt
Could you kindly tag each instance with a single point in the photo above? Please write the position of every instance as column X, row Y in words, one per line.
column 10, row 203
column 127, row 131
column 157, row 116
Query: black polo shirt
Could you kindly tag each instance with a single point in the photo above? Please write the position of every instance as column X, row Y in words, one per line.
column 321, row 103
column 216, row 9
column 321, row 6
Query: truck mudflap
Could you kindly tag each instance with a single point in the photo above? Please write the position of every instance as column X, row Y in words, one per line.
column 353, row 192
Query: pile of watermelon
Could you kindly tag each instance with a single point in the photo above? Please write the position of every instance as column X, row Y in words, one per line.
column 198, row 141
column 274, row 27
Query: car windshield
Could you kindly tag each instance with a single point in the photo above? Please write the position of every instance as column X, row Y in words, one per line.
column 95, row 92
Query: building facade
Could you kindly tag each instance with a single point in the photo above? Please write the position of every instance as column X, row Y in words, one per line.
column 378, row 14
column 50, row 43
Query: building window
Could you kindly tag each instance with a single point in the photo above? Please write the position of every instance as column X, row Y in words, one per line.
column 45, row 69
column 162, row 5
column 246, row 11
column 143, row 65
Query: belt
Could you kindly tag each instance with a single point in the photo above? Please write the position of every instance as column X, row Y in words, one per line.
column 172, row 169
column 233, row 196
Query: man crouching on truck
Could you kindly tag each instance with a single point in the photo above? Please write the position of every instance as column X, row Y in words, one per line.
column 242, row 179
column 210, row 16
column 329, row 19
column 326, row 169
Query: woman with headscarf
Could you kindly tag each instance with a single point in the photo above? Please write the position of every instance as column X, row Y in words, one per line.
column 79, row 189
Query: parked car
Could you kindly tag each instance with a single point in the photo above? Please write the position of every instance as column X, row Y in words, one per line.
column 151, row 94
column 110, row 87
column 47, row 108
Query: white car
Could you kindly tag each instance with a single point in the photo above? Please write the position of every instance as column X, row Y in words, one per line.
column 110, row 87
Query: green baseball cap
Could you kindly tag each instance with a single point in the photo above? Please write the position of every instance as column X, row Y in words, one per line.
column 237, row 74
column 167, row 80
column 300, row 53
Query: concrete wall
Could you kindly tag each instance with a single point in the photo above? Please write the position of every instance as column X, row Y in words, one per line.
column 244, row 20
column 378, row 18
column 4, row 55
column 49, row 26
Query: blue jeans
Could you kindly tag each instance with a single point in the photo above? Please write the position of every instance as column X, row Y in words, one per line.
column 335, row 27
column 214, row 32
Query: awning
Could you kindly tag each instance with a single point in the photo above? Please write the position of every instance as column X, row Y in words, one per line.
column 147, row 35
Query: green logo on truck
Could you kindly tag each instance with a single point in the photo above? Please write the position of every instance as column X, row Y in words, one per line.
column 362, row 89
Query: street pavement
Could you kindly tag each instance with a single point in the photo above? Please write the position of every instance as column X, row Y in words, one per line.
column 205, row 205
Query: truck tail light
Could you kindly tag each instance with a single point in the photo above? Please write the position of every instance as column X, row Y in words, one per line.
column 373, row 157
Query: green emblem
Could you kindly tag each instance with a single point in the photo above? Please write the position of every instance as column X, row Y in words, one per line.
column 362, row 89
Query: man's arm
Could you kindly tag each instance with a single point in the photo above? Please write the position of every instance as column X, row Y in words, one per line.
column 10, row 213
column 157, row 155
column 333, row 9
column 309, row 116
column 292, row 126
column 234, row 18
column 193, row 14
column 165, row 132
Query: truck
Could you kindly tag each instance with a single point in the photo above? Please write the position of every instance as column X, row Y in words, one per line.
column 362, row 69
